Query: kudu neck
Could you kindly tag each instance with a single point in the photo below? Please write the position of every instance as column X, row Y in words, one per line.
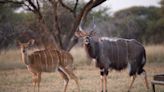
column 91, row 48
column 25, row 57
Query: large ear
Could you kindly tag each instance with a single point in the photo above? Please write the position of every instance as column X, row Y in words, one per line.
column 18, row 43
column 80, row 34
column 77, row 34
column 31, row 42
column 92, row 33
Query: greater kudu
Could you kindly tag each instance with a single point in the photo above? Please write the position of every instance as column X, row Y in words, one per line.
column 114, row 53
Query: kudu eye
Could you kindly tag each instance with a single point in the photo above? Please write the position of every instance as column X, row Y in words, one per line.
column 23, row 50
column 86, row 41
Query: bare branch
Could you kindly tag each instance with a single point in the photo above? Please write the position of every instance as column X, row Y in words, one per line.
column 65, row 6
column 69, row 40
column 91, row 4
column 57, row 25
column 97, row 2
column 55, row 4
column 38, row 5
column 86, row 9
column 56, row 22
column 11, row 1
column 28, row 7
column 75, row 7
column 47, row 37
column 35, row 8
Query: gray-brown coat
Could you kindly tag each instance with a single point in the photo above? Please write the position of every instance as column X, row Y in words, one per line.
column 115, row 53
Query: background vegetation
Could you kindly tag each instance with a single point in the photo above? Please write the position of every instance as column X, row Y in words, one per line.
column 146, row 24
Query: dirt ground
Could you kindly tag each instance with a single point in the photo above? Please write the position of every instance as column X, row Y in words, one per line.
column 19, row 80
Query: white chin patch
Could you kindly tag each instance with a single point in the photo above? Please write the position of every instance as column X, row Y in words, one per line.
column 86, row 42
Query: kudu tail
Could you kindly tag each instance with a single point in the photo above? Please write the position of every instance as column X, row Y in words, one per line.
column 143, row 62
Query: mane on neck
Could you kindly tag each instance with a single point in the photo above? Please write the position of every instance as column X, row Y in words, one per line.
column 91, row 49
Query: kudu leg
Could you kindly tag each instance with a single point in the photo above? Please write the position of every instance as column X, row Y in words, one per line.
column 74, row 77
column 66, row 79
column 145, row 78
column 34, row 80
column 102, row 83
column 38, row 80
column 70, row 73
column 104, row 74
column 133, row 78
column 34, row 84
column 105, row 83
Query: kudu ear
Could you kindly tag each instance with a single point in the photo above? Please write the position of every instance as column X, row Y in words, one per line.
column 77, row 34
column 80, row 34
column 18, row 43
column 31, row 42
column 92, row 33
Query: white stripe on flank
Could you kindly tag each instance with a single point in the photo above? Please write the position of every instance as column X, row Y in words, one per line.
column 45, row 59
column 40, row 62
column 66, row 59
column 127, row 54
column 51, row 60
column 57, row 57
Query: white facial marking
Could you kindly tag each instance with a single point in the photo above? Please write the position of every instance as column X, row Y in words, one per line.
column 86, row 40
column 101, row 77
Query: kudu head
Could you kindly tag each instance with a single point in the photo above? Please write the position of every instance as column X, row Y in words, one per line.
column 24, row 46
column 87, row 36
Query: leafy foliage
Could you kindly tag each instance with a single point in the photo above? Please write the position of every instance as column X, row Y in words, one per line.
column 145, row 24
column 142, row 23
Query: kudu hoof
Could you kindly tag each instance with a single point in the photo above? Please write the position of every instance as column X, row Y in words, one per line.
column 128, row 91
column 103, row 91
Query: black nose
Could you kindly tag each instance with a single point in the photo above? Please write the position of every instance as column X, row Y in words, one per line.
column 23, row 51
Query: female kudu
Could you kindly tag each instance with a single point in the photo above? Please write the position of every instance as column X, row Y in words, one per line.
column 48, row 61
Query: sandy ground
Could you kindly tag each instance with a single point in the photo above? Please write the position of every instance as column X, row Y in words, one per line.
column 19, row 80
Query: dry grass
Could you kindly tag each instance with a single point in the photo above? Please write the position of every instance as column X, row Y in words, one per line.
column 19, row 80
column 80, row 57
column 15, row 78
column 155, row 53
column 11, row 60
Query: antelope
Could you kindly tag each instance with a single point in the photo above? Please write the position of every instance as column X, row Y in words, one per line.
column 114, row 54
column 47, row 61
